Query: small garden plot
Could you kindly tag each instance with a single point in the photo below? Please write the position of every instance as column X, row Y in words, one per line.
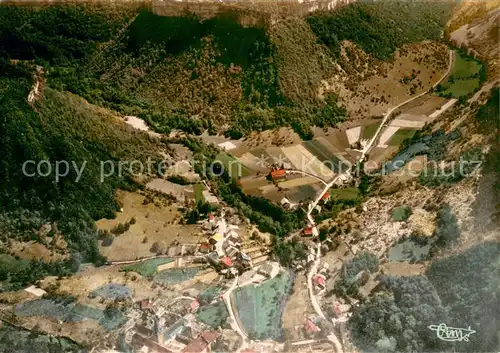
column 214, row 315
column 112, row 291
column 147, row 268
column 401, row 135
column 176, row 275
column 260, row 308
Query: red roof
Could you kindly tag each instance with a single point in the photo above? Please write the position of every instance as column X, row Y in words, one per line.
column 227, row 261
column 196, row 346
column 209, row 336
column 194, row 305
column 310, row 327
column 319, row 279
column 146, row 304
column 325, row 196
column 211, row 216
column 279, row 173
column 201, row 342
column 308, row 231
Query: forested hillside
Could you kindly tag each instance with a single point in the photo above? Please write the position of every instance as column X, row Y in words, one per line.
column 194, row 74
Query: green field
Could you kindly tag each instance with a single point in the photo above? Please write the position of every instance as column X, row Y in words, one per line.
column 260, row 307
column 148, row 267
column 369, row 130
column 400, row 136
column 234, row 167
column 464, row 79
column 176, row 275
column 345, row 194
column 198, row 192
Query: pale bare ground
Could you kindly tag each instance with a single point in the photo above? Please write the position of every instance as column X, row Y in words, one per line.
column 88, row 332
column 253, row 162
column 297, row 309
column 155, row 222
column 292, row 183
column 410, row 121
column 402, row 269
column 370, row 90
column 303, row 160
column 166, row 187
column 427, row 106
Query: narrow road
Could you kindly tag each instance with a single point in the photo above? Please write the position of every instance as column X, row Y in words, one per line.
column 235, row 325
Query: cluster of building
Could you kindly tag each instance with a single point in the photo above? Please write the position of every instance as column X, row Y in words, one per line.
column 223, row 247
column 159, row 327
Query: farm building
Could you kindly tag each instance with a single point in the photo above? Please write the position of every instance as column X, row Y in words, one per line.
column 278, row 174
column 319, row 281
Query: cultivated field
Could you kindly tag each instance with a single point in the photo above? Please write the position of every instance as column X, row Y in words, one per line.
column 260, row 307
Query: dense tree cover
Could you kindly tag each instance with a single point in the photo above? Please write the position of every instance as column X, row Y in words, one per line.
column 461, row 291
column 60, row 128
column 289, row 251
column 397, row 319
column 447, row 231
column 381, row 27
column 57, row 34
column 15, row 339
column 469, row 287
column 175, row 72
column 488, row 117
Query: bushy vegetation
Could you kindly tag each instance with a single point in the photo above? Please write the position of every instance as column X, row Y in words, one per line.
column 401, row 213
column 447, row 231
column 381, row 27
column 289, row 251
column 14, row 339
column 348, row 284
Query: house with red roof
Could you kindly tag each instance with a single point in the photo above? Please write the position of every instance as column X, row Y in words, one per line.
column 202, row 344
column 278, row 174
column 319, row 281
column 307, row 232
column 310, row 327
column 226, row 261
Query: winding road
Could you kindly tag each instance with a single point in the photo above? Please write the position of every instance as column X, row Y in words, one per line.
column 348, row 175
